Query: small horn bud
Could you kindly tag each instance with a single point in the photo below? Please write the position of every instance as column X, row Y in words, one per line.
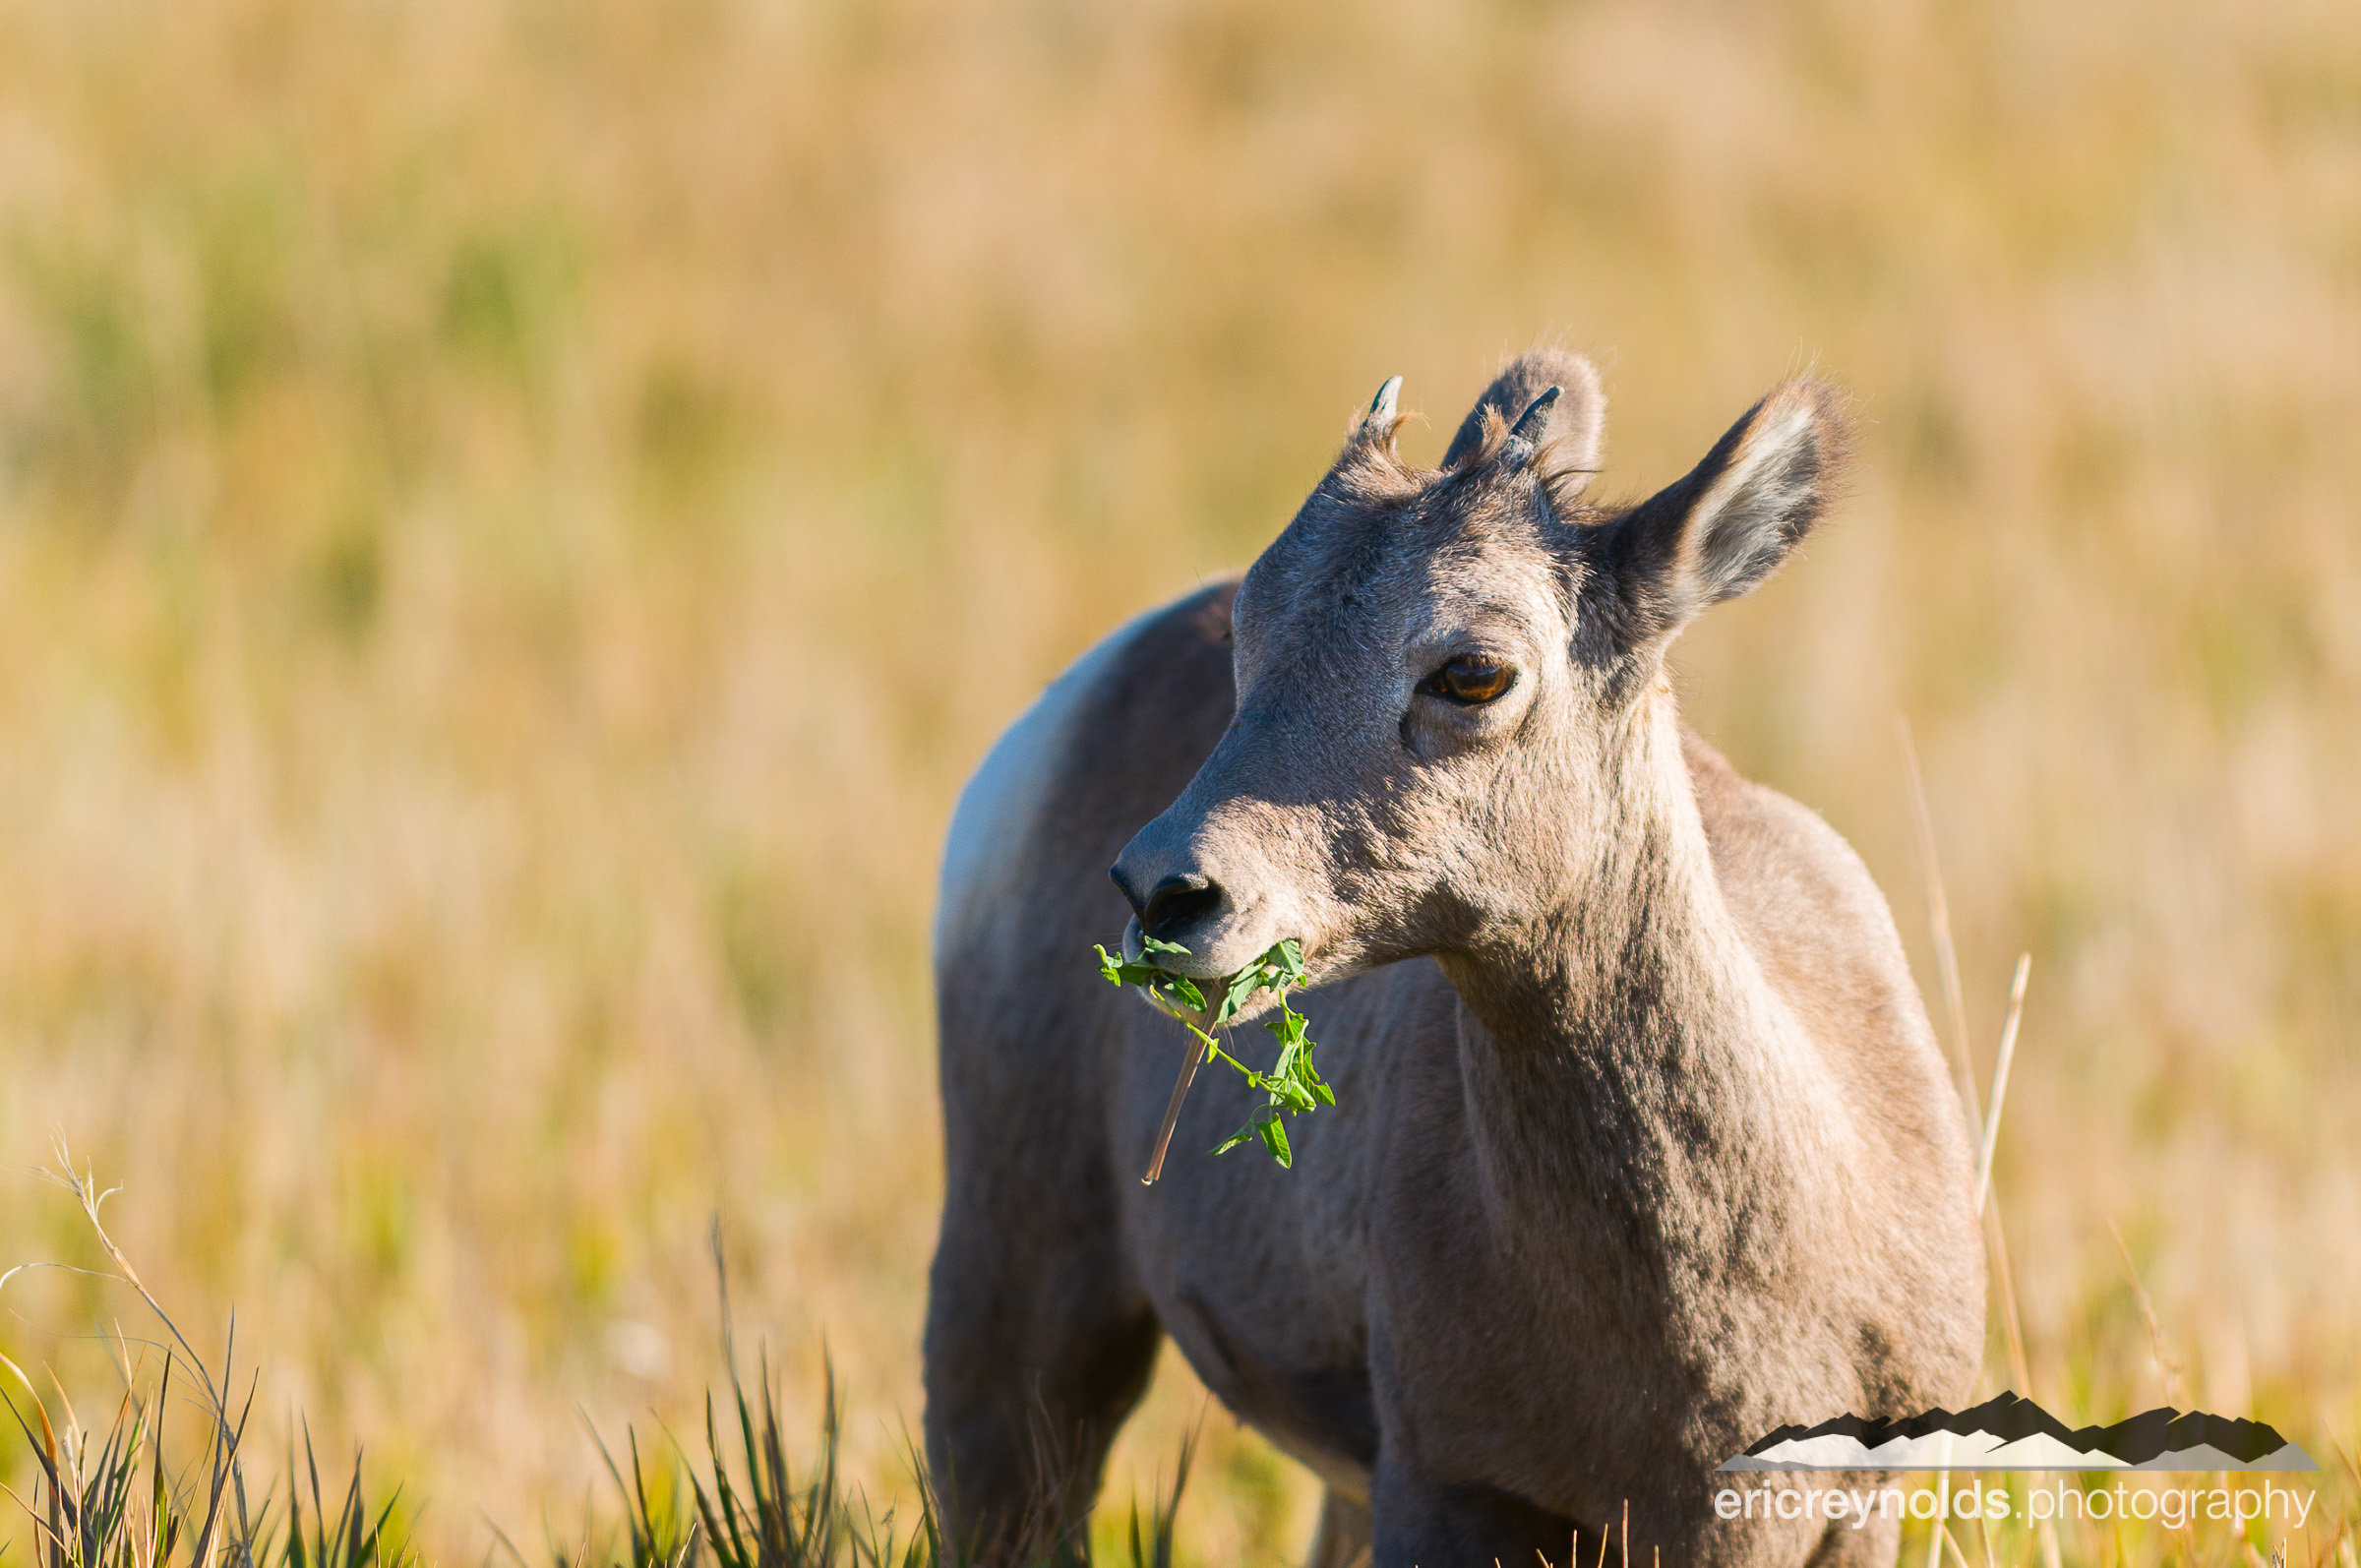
column 1525, row 435
column 1381, row 406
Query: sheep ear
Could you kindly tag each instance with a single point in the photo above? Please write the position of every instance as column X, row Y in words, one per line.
column 1729, row 523
column 1573, row 428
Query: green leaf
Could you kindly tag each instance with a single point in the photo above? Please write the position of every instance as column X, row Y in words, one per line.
column 1242, row 1135
column 1243, row 988
column 1293, row 1085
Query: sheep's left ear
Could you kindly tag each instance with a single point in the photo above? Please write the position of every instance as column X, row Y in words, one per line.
column 1729, row 523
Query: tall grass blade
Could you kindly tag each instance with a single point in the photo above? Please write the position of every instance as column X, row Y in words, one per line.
column 2000, row 1081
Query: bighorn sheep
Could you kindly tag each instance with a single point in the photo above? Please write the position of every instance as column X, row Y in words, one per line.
column 1643, row 1143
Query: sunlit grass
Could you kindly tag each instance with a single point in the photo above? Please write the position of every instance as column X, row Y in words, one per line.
column 516, row 520
column 109, row 1496
column 751, row 1495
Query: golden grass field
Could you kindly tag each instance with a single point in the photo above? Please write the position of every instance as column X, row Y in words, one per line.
column 516, row 519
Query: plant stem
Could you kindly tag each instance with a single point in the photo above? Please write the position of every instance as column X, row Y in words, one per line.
column 1172, row 1114
column 1188, row 1074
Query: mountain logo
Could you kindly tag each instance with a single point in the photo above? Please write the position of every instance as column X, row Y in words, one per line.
column 2007, row 1432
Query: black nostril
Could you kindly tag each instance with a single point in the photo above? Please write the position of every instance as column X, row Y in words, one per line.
column 1179, row 903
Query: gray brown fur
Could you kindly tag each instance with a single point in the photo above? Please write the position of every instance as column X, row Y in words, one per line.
column 1643, row 1144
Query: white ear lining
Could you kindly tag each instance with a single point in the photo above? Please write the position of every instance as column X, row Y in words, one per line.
column 1765, row 448
column 1736, row 521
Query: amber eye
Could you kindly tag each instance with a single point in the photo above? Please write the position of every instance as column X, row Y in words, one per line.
column 1470, row 679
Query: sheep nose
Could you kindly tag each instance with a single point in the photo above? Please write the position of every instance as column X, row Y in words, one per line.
column 1122, row 885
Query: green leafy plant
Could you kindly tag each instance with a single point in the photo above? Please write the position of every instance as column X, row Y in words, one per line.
column 1293, row 1084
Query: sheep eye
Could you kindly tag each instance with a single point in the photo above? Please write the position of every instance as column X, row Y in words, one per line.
column 1470, row 680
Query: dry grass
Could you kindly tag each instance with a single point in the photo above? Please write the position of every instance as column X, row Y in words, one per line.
column 117, row 1495
column 516, row 518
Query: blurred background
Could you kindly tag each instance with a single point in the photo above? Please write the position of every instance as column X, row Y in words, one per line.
column 518, row 517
